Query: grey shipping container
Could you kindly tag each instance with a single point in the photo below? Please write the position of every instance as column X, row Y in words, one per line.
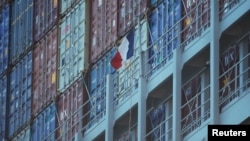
column 21, row 28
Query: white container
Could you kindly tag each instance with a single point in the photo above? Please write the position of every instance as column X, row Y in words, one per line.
column 73, row 51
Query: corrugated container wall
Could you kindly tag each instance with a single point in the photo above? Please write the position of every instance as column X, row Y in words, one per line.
column 97, row 86
column 73, row 46
column 129, row 13
column 21, row 27
column 3, row 95
column 44, row 71
column 24, row 135
column 3, row 3
column 103, row 30
column 4, row 37
column 67, row 4
column 71, row 108
column 163, row 31
column 44, row 125
column 45, row 16
column 196, row 17
column 19, row 107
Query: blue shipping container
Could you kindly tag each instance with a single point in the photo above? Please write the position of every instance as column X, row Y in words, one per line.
column 4, row 37
column 20, row 95
column 3, row 92
column 44, row 125
column 157, row 117
column 21, row 27
column 98, row 84
column 163, row 25
column 24, row 135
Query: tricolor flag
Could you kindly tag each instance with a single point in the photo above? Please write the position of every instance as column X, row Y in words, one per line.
column 124, row 52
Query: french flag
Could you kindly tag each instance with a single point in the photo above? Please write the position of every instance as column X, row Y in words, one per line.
column 124, row 52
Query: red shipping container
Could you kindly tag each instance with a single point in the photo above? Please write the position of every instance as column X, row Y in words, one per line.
column 44, row 71
column 229, row 75
column 45, row 16
column 196, row 17
column 129, row 14
column 191, row 105
column 103, row 27
column 71, row 107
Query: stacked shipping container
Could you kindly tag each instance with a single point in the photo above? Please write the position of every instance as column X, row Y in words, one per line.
column 73, row 46
column 62, row 45
column 44, row 125
column 98, row 85
column 19, row 104
column 3, row 95
column 71, row 108
column 196, row 19
column 4, row 37
column 164, row 25
column 21, row 28
column 45, row 16
column 44, row 71
column 103, row 28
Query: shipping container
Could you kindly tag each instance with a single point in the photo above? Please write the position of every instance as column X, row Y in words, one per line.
column 157, row 119
column 44, row 71
column 71, row 108
column 191, row 105
column 19, row 107
column 196, row 18
column 103, row 30
column 225, row 6
column 44, row 125
column 229, row 72
column 45, row 16
column 97, row 86
column 128, row 74
column 155, row 3
column 73, row 47
column 3, row 3
column 24, row 135
column 163, row 33
column 3, row 96
column 66, row 5
column 21, row 28
column 129, row 13
column 4, row 37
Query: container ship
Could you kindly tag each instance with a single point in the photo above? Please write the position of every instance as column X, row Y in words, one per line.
column 122, row 70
